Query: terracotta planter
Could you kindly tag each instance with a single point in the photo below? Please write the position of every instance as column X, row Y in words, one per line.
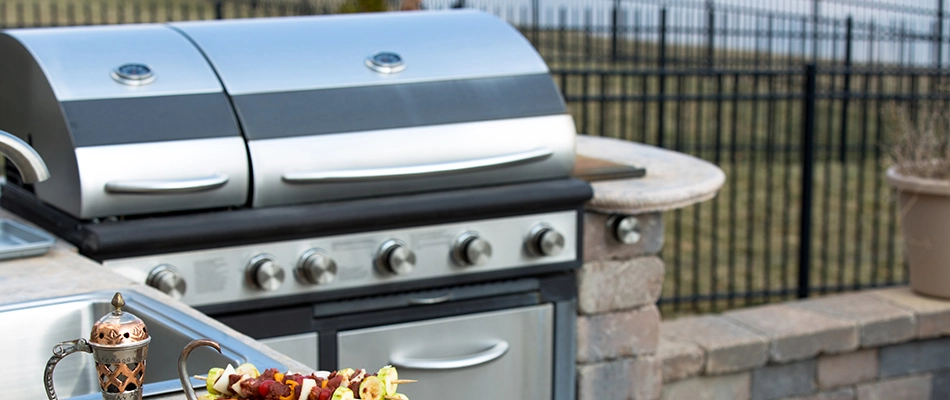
column 925, row 224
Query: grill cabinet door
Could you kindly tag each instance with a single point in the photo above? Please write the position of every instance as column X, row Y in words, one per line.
column 524, row 371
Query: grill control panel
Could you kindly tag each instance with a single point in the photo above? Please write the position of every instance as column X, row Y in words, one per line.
column 257, row 271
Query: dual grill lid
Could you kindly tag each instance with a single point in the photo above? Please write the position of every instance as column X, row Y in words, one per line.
column 311, row 105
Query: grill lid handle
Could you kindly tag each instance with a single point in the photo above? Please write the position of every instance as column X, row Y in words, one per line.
column 470, row 360
column 188, row 185
column 416, row 171
column 24, row 157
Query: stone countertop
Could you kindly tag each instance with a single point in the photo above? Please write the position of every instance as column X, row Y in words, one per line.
column 673, row 180
column 63, row 272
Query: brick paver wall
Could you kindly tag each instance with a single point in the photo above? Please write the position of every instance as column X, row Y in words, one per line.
column 887, row 344
column 878, row 344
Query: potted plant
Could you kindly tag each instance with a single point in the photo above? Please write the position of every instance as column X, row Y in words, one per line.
column 921, row 175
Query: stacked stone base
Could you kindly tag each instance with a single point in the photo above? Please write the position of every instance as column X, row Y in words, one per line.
column 881, row 344
column 618, row 323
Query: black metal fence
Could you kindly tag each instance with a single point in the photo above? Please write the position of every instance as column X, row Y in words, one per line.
column 794, row 103
column 796, row 108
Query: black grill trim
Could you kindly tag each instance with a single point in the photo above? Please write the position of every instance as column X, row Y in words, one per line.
column 164, row 234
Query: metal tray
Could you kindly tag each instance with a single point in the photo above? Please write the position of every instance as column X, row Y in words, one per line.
column 18, row 240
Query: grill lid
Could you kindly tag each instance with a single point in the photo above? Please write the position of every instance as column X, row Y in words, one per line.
column 341, row 107
column 130, row 119
column 323, row 108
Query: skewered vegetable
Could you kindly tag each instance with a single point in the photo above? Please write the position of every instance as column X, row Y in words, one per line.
column 246, row 383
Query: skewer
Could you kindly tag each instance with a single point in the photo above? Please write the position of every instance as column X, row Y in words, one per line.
column 398, row 381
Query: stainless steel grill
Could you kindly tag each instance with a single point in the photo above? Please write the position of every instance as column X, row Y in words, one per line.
column 156, row 118
column 356, row 172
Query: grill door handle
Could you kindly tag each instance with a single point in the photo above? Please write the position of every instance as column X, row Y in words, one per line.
column 421, row 170
column 189, row 185
column 470, row 360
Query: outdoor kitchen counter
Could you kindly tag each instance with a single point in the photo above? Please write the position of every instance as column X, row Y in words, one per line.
column 673, row 180
column 63, row 272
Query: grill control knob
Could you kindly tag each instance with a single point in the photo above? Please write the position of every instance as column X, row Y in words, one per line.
column 471, row 249
column 316, row 267
column 545, row 241
column 395, row 257
column 265, row 273
column 167, row 279
column 625, row 228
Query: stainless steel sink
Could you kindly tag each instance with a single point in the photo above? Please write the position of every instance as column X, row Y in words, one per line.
column 30, row 330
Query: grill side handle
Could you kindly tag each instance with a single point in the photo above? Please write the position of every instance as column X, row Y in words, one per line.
column 32, row 167
column 420, row 170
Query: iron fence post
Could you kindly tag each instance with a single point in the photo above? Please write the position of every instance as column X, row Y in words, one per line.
column 710, row 32
column 219, row 9
column 661, row 104
column 535, row 15
column 849, row 40
column 614, row 28
column 939, row 36
column 814, row 30
column 662, row 56
column 808, row 179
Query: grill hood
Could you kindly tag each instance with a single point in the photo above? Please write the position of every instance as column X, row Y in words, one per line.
column 265, row 112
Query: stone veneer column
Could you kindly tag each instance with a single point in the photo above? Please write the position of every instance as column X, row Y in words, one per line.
column 618, row 322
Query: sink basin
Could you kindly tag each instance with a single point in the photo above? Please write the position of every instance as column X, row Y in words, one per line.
column 30, row 330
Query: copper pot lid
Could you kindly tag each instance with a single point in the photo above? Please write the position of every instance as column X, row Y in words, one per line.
column 118, row 327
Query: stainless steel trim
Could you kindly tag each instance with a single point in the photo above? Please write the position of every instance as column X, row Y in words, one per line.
column 24, row 157
column 371, row 174
column 187, row 185
column 470, row 360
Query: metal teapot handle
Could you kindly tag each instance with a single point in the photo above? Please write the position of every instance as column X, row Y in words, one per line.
column 182, row 368
column 60, row 351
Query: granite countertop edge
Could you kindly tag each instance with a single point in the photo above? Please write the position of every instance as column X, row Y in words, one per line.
column 673, row 180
